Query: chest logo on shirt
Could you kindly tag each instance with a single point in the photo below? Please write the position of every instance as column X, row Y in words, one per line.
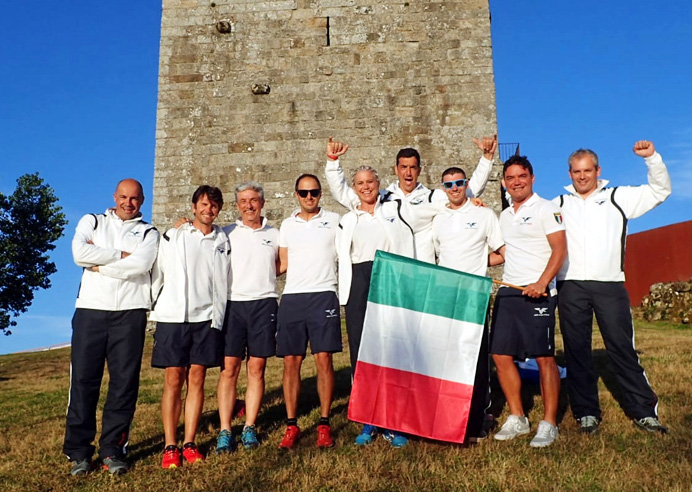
column 416, row 201
column 472, row 225
column 600, row 202
column 135, row 233
column 323, row 225
column 331, row 313
column 558, row 217
column 390, row 219
column 267, row 242
column 541, row 312
column 526, row 221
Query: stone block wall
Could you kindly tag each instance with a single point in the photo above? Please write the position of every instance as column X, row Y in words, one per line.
column 252, row 89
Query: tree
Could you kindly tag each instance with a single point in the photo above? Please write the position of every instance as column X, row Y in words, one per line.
column 30, row 222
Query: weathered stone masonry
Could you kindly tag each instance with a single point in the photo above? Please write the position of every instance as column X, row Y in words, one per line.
column 378, row 74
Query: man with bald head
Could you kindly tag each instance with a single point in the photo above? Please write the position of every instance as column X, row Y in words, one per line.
column 116, row 250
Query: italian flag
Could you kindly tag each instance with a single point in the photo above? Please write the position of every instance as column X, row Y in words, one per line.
column 420, row 344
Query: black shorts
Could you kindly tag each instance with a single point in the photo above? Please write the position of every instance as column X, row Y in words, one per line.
column 522, row 326
column 311, row 316
column 249, row 328
column 182, row 344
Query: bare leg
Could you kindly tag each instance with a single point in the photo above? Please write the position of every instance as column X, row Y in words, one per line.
column 227, row 390
column 291, row 383
column 171, row 405
column 550, row 387
column 255, row 388
column 325, row 381
column 194, row 401
column 510, row 382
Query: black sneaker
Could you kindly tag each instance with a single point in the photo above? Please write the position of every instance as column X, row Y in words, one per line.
column 651, row 424
column 115, row 465
column 588, row 424
column 80, row 467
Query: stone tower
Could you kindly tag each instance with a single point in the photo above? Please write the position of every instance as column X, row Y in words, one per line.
column 252, row 89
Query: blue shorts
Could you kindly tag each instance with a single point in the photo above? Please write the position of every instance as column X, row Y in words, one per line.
column 182, row 344
column 311, row 316
column 522, row 326
column 249, row 328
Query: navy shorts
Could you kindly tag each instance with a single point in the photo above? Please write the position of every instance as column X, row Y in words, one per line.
column 522, row 326
column 311, row 316
column 249, row 328
column 182, row 344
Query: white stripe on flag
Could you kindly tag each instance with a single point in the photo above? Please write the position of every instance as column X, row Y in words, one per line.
column 421, row 343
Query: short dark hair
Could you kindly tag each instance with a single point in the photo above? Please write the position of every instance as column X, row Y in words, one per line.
column 517, row 160
column 452, row 170
column 306, row 175
column 408, row 152
column 213, row 194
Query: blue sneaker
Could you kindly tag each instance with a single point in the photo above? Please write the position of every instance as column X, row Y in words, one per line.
column 225, row 443
column 367, row 435
column 249, row 437
column 395, row 439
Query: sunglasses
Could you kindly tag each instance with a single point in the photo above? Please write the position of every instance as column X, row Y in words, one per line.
column 451, row 184
column 304, row 193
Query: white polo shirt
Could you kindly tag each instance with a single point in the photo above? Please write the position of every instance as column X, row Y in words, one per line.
column 462, row 237
column 527, row 248
column 311, row 248
column 253, row 261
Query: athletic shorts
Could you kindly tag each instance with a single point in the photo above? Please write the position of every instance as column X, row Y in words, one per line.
column 311, row 316
column 249, row 328
column 522, row 326
column 182, row 344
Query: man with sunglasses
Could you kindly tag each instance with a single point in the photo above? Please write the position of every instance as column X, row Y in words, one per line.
column 408, row 189
column 309, row 309
column 461, row 235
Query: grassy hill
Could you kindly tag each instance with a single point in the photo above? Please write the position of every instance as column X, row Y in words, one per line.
column 33, row 399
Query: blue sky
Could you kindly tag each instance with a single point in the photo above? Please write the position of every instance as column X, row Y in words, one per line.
column 78, row 103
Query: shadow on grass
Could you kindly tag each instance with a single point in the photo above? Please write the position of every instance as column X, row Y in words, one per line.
column 271, row 416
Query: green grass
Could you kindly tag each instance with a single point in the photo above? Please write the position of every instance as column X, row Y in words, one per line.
column 33, row 398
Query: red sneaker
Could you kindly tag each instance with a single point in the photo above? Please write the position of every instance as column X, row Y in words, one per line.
column 324, row 437
column 171, row 457
column 191, row 453
column 290, row 437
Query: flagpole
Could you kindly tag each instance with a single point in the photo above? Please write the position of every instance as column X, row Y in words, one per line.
column 518, row 287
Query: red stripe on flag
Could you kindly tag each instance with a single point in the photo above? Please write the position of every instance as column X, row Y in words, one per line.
column 410, row 403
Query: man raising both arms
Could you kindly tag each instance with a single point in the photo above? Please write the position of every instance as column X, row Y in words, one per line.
column 309, row 308
column 409, row 190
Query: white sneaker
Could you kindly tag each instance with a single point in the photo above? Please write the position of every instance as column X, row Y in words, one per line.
column 514, row 426
column 545, row 435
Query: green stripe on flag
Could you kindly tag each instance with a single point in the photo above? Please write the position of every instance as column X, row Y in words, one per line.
column 419, row 286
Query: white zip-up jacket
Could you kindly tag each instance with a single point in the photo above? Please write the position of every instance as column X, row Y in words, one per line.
column 170, row 277
column 597, row 226
column 425, row 250
column 121, row 283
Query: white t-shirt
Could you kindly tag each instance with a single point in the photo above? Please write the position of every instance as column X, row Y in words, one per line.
column 462, row 236
column 527, row 248
column 253, row 261
column 311, row 252
column 368, row 237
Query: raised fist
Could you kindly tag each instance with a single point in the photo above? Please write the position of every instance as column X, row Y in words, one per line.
column 644, row 148
column 335, row 149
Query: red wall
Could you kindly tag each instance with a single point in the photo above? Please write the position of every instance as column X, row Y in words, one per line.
column 657, row 255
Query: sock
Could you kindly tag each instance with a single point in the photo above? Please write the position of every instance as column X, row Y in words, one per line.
column 324, row 421
column 292, row 422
